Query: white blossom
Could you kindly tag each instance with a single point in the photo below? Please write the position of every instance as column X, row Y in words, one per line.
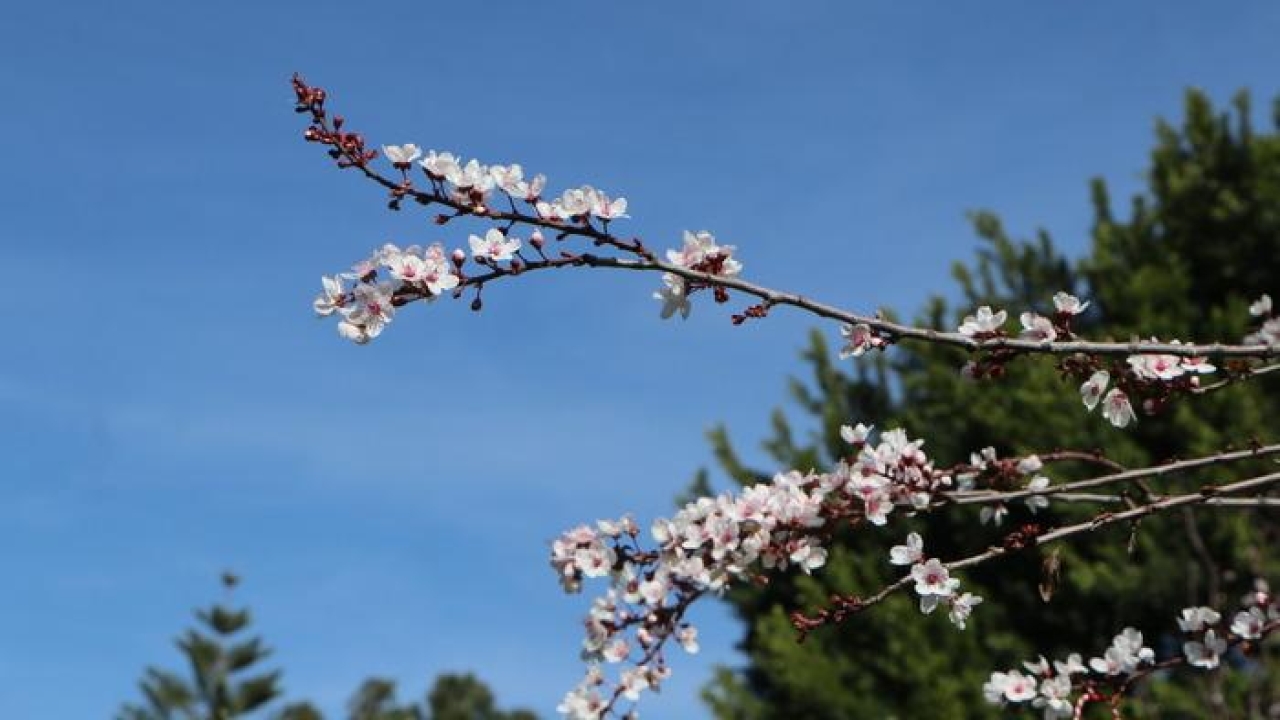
column 1249, row 624
column 1116, row 408
column 1091, row 391
column 494, row 246
column 1194, row 619
column 1037, row 327
column 332, row 298
column 1037, row 502
column 962, row 607
column 402, row 155
column 908, row 554
column 674, row 297
column 1069, row 304
column 1207, row 653
column 932, row 578
column 983, row 322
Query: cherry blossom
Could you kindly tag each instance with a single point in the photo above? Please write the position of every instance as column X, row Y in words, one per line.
column 1261, row 307
column 932, row 578
column 674, row 296
column 1116, row 408
column 606, row 209
column 1248, row 624
column 407, row 266
column 961, row 608
column 1017, row 687
column 1156, row 367
column 1126, row 654
column 440, row 165
column 1037, row 327
column 908, row 554
column 1037, row 502
column 332, row 298
column 859, row 338
column 1068, row 304
column 983, row 322
column 855, row 434
column 494, row 246
column 402, row 156
column 1194, row 619
column 1091, row 391
column 1055, row 697
column 1207, row 653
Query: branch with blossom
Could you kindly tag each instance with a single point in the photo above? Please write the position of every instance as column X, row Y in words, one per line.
column 1065, row 688
column 789, row 523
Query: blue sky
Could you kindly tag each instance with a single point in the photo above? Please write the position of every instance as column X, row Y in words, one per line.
column 168, row 407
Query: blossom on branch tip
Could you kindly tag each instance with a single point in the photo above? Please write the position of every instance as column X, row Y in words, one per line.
column 859, row 338
column 1037, row 327
column 331, row 299
column 1055, row 697
column 1126, row 654
column 1068, row 304
column 932, row 578
column 606, row 209
column 494, row 246
column 1116, row 408
column 407, row 266
column 1156, row 367
column 440, row 165
column 1248, row 624
column 855, row 434
column 908, row 554
column 1195, row 619
column 402, row 155
column 1207, row 653
column 983, row 322
column 673, row 296
column 1037, row 502
column 1091, row 391
column 961, row 608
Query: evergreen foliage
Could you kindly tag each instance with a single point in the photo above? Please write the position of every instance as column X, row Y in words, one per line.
column 224, row 683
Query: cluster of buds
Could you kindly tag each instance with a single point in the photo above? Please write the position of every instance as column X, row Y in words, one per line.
column 711, row 544
column 1064, row 687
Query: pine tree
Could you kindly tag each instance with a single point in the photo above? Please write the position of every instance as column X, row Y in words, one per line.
column 224, row 681
column 224, row 684
column 1196, row 247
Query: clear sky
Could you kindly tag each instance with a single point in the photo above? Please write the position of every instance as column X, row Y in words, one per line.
column 168, row 407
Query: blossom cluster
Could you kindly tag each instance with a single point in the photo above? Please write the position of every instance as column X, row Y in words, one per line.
column 710, row 544
column 700, row 253
column 380, row 283
column 933, row 581
column 1061, row 687
column 996, row 473
column 366, row 297
column 1153, row 374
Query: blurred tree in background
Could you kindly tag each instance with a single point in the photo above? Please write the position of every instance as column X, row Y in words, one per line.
column 1198, row 245
column 225, row 683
